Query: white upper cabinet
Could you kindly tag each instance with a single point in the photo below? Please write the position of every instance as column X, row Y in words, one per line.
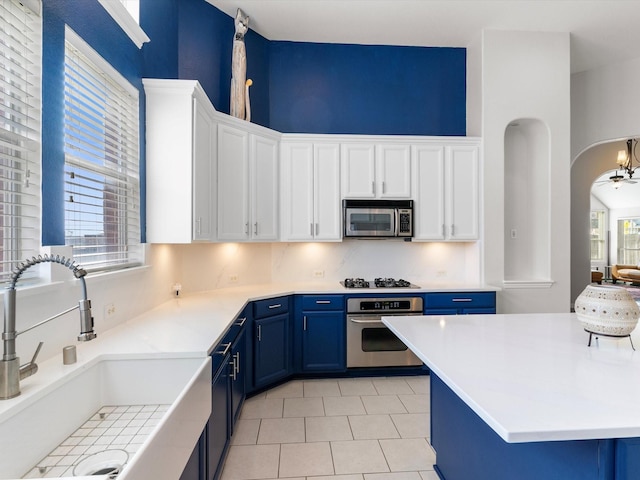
column 263, row 194
column 463, row 183
column 247, row 185
column 233, row 183
column 181, row 162
column 446, row 186
column 393, row 171
column 310, row 191
column 376, row 171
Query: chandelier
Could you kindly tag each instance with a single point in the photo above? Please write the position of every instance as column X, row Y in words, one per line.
column 626, row 158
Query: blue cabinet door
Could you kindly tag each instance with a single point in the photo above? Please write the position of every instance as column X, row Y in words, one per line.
column 238, row 371
column 323, row 341
column 218, row 428
column 195, row 469
column 271, row 349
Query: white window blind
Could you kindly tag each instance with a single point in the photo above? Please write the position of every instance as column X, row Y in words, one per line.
column 20, row 70
column 102, row 183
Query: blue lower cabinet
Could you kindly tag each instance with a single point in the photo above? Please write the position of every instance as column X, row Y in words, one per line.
column 218, row 428
column 465, row 303
column 237, row 373
column 195, row 469
column 468, row 449
column 323, row 341
column 271, row 356
column 319, row 334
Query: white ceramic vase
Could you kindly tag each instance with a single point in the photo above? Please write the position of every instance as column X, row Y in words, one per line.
column 607, row 310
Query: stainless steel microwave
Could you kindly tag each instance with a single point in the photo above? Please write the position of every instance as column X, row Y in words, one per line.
column 378, row 218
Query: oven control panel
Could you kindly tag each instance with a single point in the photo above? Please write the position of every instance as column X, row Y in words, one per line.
column 395, row 305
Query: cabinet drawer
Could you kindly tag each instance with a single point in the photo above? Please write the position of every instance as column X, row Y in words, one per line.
column 323, row 302
column 462, row 300
column 270, row 307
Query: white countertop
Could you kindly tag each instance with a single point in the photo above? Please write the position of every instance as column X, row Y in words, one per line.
column 187, row 326
column 532, row 377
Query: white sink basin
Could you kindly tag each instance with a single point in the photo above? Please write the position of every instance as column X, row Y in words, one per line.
column 37, row 425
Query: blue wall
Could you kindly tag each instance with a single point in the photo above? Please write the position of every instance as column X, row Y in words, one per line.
column 89, row 20
column 333, row 88
column 298, row 87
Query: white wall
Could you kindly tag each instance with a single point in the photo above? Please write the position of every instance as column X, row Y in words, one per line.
column 527, row 75
column 604, row 105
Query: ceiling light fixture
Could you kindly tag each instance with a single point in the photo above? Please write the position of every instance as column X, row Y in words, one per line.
column 626, row 158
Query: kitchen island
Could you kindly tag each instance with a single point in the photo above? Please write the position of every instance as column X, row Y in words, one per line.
column 523, row 397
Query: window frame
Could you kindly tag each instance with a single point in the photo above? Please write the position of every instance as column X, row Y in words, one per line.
column 132, row 247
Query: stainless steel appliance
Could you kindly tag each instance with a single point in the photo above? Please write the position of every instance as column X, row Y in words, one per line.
column 369, row 342
column 378, row 218
column 377, row 283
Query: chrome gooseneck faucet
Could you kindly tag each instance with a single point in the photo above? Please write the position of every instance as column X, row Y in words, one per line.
column 11, row 372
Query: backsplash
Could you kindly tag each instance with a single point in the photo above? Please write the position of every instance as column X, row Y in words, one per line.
column 211, row 266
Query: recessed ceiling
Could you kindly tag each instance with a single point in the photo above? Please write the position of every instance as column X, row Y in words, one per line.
column 602, row 32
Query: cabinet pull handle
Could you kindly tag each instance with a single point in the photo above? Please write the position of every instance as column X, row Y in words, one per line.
column 241, row 322
column 462, row 300
column 323, row 302
column 237, row 363
column 232, row 365
column 373, row 187
column 226, row 346
column 199, row 223
column 304, row 323
column 452, row 234
column 246, row 229
column 259, row 333
column 255, row 228
column 384, row 187
column 277, row 305
column 317, row 228
column 311, row 229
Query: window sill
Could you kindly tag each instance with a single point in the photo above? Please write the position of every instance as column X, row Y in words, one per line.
column 31, row 289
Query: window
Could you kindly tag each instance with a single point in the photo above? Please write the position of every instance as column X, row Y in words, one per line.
column 102, row 184
column 598, row 232
column 20, row 65
column 629, row 241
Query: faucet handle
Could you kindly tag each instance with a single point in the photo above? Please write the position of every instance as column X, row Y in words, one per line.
column 30, row 368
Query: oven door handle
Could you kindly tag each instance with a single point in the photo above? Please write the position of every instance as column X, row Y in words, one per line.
column 354, row 320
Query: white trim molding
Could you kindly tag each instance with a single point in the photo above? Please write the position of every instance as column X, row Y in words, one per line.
column 121, row 15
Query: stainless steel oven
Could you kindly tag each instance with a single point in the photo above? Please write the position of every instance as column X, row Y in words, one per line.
column 369, row 342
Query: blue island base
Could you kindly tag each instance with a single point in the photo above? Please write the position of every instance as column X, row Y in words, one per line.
column 468, row 449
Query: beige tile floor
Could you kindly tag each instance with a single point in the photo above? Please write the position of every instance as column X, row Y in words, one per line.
column 335, row 429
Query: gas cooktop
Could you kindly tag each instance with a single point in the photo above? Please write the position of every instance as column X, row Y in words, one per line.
column 377, row 283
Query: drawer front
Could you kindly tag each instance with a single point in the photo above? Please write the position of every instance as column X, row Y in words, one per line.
column 323, row 302
column 270, row 307
column 462, row 300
